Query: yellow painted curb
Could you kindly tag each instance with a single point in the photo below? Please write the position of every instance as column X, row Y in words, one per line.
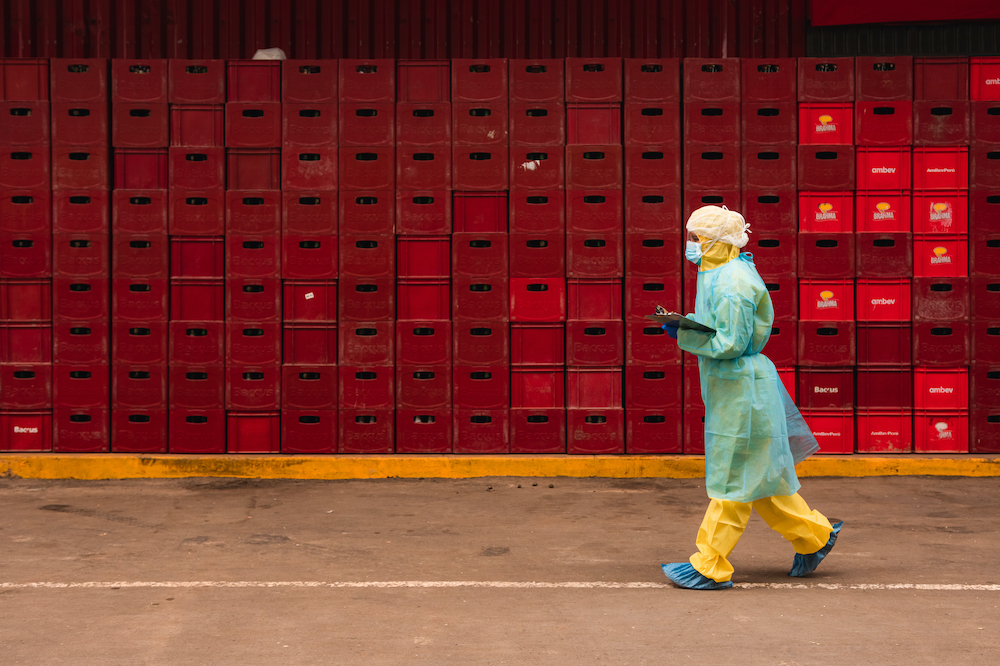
column 132, row 466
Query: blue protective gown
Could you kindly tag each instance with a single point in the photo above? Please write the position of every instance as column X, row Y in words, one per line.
column 754, row 434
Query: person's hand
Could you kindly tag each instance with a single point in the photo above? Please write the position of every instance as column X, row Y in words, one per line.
column 671, row 330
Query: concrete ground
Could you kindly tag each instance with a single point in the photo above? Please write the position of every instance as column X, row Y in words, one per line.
column 906, row 534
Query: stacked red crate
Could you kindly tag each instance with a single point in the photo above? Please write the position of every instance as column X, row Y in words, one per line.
column 26, row 395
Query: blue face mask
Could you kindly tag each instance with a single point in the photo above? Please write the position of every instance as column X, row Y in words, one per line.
column 693, row 253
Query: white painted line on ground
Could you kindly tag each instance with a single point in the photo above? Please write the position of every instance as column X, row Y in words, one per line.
column 482, row 584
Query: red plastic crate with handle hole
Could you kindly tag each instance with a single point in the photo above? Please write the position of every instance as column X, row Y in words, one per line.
column 537, row 344
column 481, row 343
column 768, row 79
column 78, row 79
column 81, row 430
column 196, row 386
column 427, row 387
column 424, row 431
column 769, row 123
column 537, row 80
column 197, row 431
column 826, row 80
column 309, row 431
column 537, row 430
column 482, row 431
column 479, row 79
column 196, row 81
column 366, row 431
column 941, row 123
column 28, row 211
column 134, row 80
column 711, row 80
column 313, row 125
column 139, row 431
column 309, row 81
column 253, row 387
column 139, row 211
column 595, row 431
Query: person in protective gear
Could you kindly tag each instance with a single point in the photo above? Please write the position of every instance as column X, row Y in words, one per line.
column 754, row 434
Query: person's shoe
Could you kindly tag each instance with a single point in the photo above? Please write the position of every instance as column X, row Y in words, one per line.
column 682, row 574
column 803, row 565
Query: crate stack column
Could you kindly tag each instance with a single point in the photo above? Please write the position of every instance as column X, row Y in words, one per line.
column 984, row 223
column 26, row 269
column 367, row 264
column 253, row 256
column 537, row 241
column 309, row 259
column 595, row 337
column 654, row 244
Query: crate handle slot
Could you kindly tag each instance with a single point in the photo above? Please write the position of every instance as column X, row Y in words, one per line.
column 480, row 419
column 536, row 113
column 769, row 112
column 196, row 332
column 653, row 286
column 537, row 200
column 884, row 66
column 253, row 376
column 826, row 155
column 424, row 330
column 140, row 287
column 480, row 287
column 21, row 156
column 80, row 374
column 537, row 243
column 196, row 201
column 652, row 155
column 941, row 287
column 366, row 113
column 773, row 286
column 712, row 156
column 138, row 418
column 79, row 418
column 365, row 418
column 480, row 243
column 79, row 113
column 711, row 111
column 79, row 243
column 884, row 111
column 253, row 288
column 365, row 332
column 884, row 242
column 138, row 374
column 253, row 332
column 310, row 376
column 480, row 112
column 423, row 157
column 652, row 199
column 366, row 69
column 140, row 69
column 79, row 330
column 79, row 157
column 253, row 245
column 481, row 331
column 366, row 288
column 480, row 156
column 140, row 331
column 28, row 200
column 139, row 244
column 309, row 245
column 594, row 199
column 24, row 374
column 423, row 418
column 652, row 330
column 769, row 242
column 594, row 242
column 196, row 376
column 593, row 155
column 423, row 113
column 942, row 111
column 366, row 244
column 536, row 69
column 78, row 69
column 23, row 243
column 653, row 242
column 309, row 419
column 538, row 157
column 20, row 112
column 595, row 330
column 144, row 113
column 711, row 69
column 537, row 418
column 593, row 67
column 423, row 375
column 366, row 201
column 654, row 418
column 479, row 68
column 423, row 201
column 769, row 155
column 309, row 201
column 651, row 68
column 941, row 330
column 652, row 111
column 711, row 199
column 79, row 287
column 656, row 374
column 827, row 242
column 366, row 157
column 537, row 287
column 594, row 418
column 825, row 331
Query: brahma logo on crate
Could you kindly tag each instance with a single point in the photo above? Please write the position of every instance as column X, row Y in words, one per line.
column 826, row 212
column 943, row 429
column 827, row 300
column 826, row 124
column 941, row 212
column 941, row 255
column 884, row 211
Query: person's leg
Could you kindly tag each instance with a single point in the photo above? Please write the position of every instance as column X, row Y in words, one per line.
column 720, row 530
column 789, row 515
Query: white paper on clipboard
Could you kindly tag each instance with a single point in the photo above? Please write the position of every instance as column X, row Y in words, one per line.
column 680, row 321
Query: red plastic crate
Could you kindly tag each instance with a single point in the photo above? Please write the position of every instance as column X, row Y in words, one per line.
column 141, row 343
column 423, row 342
column 482, row 212
column 941, row 123
column 140, row 125
column 197, row 299
column 309, row 257
column 883, row 300
column 476, row 80
column 826, row 343
column 81, row 255
column 983, row 167
column 711, row 80
column 253, row 387
column 594, row 388
column 712, row 122
column 367, row 343
column 883, row 212
column 536, row 80
column 366, row 431
column 197, row 168
column 768, row 79
column 480, row 298
column 26, row 300
column 309, row 343
column 984, row 252
column 481, row 387
column 884, row 168
column 939, row 255
column 712, row 166
column 253, row 168
column 985, row 385
column 593, row 124
column 253, row 212
column 25, row 430
column 368, row 168
column 366, row 298
column 784, row 296
column 652, row 211
column 594, row 299
column 423, row 213
column 309, row 431
column 423, row 124
column 140, row 169
column 481, row 343
column 643, row 294
column 885, row 388
column 769, row 123
column 309, row 168
column 196, row 81
column 253, row 81
column 593, row 79
column 423, row 431
column 941, row 299
column 197, row 124
column 366, row 387
column 647, row 344
column 595, row 431
column 538, row 387
column 986, row 298
column 471, row 254
column 79, row 79
column 71, row 298
column 772, row 210
column 537, row 299
column 309, row 212
column 537, row 212
column 26, row 352
column 654, row 387
column 253, row 343
column 253, row 256
column 884, row 344
column 25, row 123
column 253, row 432
column 782, row 345
column 943, row 168
column 885, row 431
column 197, row 342
column 595, row 342
column 594, row 255
column 367, row 212
column 139, row 431
column 537, row 344
column 423, row 298
column 696, row 198
column 537, row 124
column 883, row 123
column 371, row 255
column 833, row 430
column 884, row 255
column 313, row 125
column 139, row 212
column 481, row 430
column 253, row 299
column 80, row 211
column 367, row 124
column 939, row 389
column 537, row 430
column 940, row 212
column 80, row 430
column 940, row 432
column 826, row 388
column 480, row 168
column 309, row 387
column 140, row 255
column 309, row 81
column 983, row 72
column 594, row 211
column 826, row 79
column 774, row 254
column 884, row 78
column 985, row 122
column 31, row 342
column 27, row 211
column 985, row 435
column 594, row 167
column 197, row 213
column 200, row 257
column 652, row 80
column 79, row 167
column 828, row 300
column 27, row 167
column 139, row 386
column 940, row 78
column 253, row 124
column 826, row 168
column 423, row 167
column 139, row 80
column 367, row 80
column 480, row 123
column 652, row 166
column 196, row 386
column 941, row 343
column 653, row 431
column 537, row 168
column 769, row 167
column 81, row 386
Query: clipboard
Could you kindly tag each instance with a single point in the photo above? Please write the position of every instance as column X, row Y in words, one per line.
column 680, row 321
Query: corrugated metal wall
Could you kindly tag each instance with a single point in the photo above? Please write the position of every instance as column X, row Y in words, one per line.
column 419, row 29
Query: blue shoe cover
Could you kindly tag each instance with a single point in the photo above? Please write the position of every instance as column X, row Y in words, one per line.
column 803, row 565
column 684, row 575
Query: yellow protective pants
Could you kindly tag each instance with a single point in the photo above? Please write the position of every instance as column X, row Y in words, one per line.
column 724, row 522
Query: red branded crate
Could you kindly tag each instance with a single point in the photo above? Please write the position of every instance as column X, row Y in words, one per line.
column 81, row 255
column 883, row 212
column 480, row 123
column 79, row 79
column 983, row 166
column 941, row 343
column 31, row 342
column 135, row 80
column 595, row 342
column 653, row 431
column 940, row 78
column 137, row 342
column 826, row 388
column 537, row 344
column 196, row 81
column 423, row 124
column 80, row 211
column 141, row 255
column 475, row 254
column 139, row 430
column 646, row 343
column 537, row 299
column 309, row 212
column 480, row 298
column 309, row 300
column 423, row 342
column 197, row 213
column 253, row 343
column 941, row 123
column 482, row 387
column 309, row 81
column 368, row 168
column 594, row 255
column 71, row 298
column 313, row 125
column 537, row 212
column 830, row 300
column 366, row 431
column 480, row 168
column 309, row 387
column 594, row 167
column 885, row 431
column 593, row 124
column 423, row 298
column 81, row 386
column 197, row 342
column 367, row 343
column 367, row 124
column 253, row 299
column 884, row 78
column 367, row 212
column 253, row 212
column 80, row 430
column 309, row 344
column 940, row 432
column 885, row 388
column 423, row 431
column 652, row 80
column 652, row 166
column 25, row 430
column 883, row 300
column 27, row 167
column 696, row 198
column 366, row 298
column 537, row 124
column 940, row 212
column 139, row 211
column 983, row 72
column 197, row 299
column 939, row 255
column 79, row 167
column 423, row 167
column 594, row 388
column 711, row 80
column 883, row 168
column 712, row 166
column 25, row 123
column 643, row 294
column 884, row 255
column 943, row 168
column 537, row 387
column 769, row 167
column 884, row 344
column 196, row 257
column 253, row 432
column 253, row 168
column 253, row 387
column 595, row 431
column 985, row 436
column 537, row 167
column 883, row 123
column 309, row 431
column 712, row 122
column 985, row 122
column 139, row 386
column 253, row 124
column 769, row 123
column 423, row 213
column 826, row 343
column 481, row 343
column 826, row 167
column 140, row 169
column 370, row 255
column 475, row 80
column 26, row 300
column 309, row 257
column 482, row 212
column 773, row 210
column 197, row 168
column 253, row 256
column 367, row 80
column 774, row 254
column 768, row 79
column 197, row 124
column 594, row 299
column 784, row 296
column 197, row 386
column 985, row 385
column 984, row 252
column 826, row 79
column 366, row 387
column 986, row 297
column 646, row 254
column 537, row 430
column 482, row 430
column 941, row 299
column 594, row 211
column 833, row 430
column 27, row 211
column 535, row 80
column 253, row 81
column 652, row 210
column 140, row 125
column 941, row 389
column 593, row 79
column 654, row 386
